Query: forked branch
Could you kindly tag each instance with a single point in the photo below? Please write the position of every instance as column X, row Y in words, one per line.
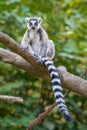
column 26, row 61
column 69, row 81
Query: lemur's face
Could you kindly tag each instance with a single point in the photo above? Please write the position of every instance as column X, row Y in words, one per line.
column 33, row 23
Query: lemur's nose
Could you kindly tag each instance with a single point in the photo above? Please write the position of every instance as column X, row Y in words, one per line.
column 33, row 27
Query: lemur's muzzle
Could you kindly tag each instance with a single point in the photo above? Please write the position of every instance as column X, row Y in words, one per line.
column 33, row 27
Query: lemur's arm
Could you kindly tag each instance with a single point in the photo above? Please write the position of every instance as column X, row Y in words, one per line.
column 25, row 41
column 43, row 50
column 50, row 49
column 47, row 48
column 25, row 44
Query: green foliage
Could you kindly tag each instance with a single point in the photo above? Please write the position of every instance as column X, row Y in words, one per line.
column 66, row 23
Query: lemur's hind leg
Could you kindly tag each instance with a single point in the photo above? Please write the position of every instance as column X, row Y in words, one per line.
column 50, row 53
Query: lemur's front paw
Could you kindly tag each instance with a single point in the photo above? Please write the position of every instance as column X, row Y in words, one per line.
column 39, row 60
column 24, row 47
column 35, row 55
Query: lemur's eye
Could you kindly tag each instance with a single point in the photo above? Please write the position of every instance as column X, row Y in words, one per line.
column 36, row 23
column 30, row 23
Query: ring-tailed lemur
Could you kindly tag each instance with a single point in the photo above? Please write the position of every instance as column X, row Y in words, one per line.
column 36, row 41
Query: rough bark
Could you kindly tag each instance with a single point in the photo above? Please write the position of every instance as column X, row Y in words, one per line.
column 26, row 61
column 14, row 59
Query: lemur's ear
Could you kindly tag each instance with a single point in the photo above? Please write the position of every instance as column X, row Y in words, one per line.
column 26, row 19
column 40, row 19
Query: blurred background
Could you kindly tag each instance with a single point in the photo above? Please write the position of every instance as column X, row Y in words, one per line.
column 66, row 24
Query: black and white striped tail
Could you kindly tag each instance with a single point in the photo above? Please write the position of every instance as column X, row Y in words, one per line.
column 56, row 85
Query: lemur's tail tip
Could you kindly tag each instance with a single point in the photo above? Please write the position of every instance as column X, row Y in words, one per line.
column 67, row 117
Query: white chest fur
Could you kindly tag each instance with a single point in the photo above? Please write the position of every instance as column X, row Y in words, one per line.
column 35, row 42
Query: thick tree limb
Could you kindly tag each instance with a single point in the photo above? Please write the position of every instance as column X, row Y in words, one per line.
column 14, row 46
column 72, row 82
column 69, row 81
column 28, row 63
column 14, row 59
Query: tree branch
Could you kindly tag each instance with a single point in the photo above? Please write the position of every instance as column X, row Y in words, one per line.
column 14, row 46
column 14, row 59
column 72, row 82
column 69, row 81
column 42, row 115
column 28, row 62
column 11, row 98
